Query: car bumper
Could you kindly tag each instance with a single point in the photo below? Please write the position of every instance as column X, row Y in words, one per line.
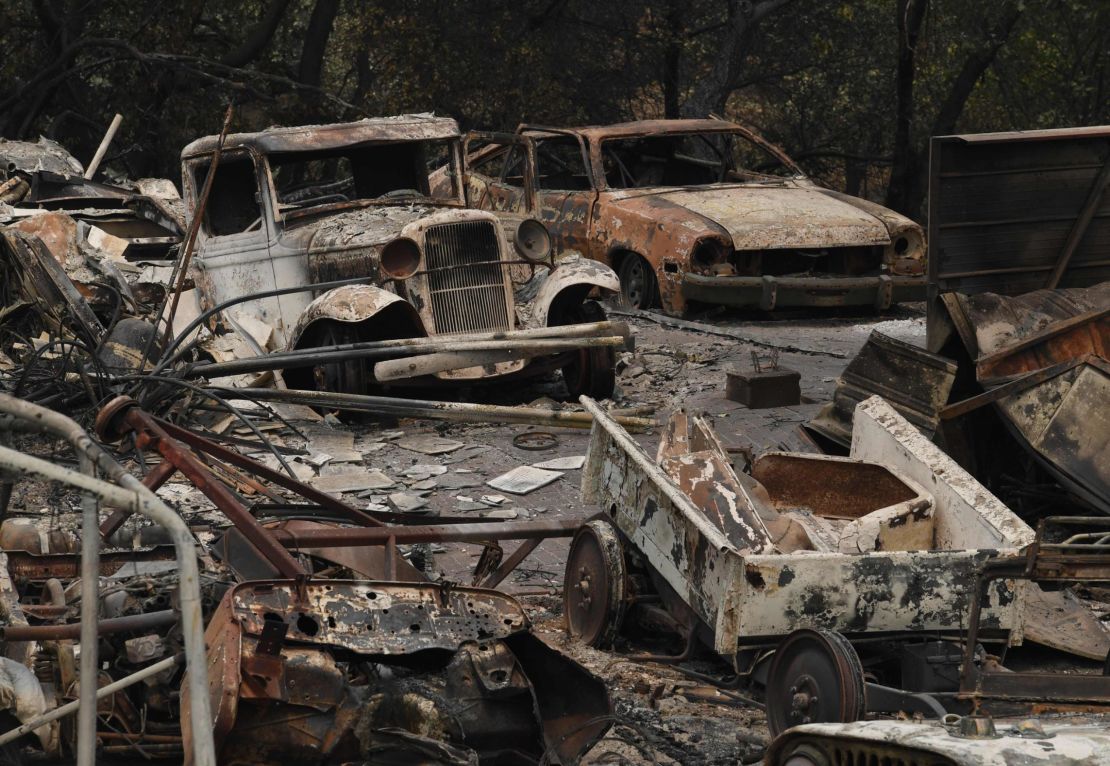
column 769, row 292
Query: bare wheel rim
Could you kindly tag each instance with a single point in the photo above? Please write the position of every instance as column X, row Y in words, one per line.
column 815, row 677
column 636, row 283
column 594, row 587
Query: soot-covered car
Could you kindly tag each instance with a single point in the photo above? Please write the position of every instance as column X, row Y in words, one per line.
column 698, row 211
column 314, row 206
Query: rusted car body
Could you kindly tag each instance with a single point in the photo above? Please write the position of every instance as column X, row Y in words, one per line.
column 351, row 203
column 699, row 211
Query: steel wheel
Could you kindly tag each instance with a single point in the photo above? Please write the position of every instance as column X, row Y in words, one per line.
column 815, row 677
column 595, row 587
column 349, row 377
column 638, row 284
column 593, row 370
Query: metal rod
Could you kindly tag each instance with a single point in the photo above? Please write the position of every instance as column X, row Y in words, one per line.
column 105, row 142
column 194, row 226
column 1079, row 227
column 314, row 356
column 131, row 622
column 131, row 493
column 549, row 338
column 429, row 533
column 512, row 562
column 418, row 408
column 90, row 616
column 104, row 691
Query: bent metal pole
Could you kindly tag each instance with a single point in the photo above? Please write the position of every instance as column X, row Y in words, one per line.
column 16, row 414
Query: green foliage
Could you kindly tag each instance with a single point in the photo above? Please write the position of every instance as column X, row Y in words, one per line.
column 817, row 76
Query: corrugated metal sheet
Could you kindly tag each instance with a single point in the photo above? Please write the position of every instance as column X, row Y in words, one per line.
column 1002, row 205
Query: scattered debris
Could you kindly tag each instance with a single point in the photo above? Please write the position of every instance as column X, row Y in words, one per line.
column 524, row 479
column 429, row 444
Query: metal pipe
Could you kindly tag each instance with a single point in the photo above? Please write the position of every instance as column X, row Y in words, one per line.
column 90, row 615
column 105, row 142
column 429, row 533
column 334, row 354
column 131, row 622
column 101, row 693
column 131, row 493
column 454, row 411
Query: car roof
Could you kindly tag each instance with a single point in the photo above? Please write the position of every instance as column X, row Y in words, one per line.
column 636, row 128
column 311, row 138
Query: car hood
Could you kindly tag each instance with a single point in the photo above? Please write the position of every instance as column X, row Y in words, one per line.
column 770, row 217
column 361, row 227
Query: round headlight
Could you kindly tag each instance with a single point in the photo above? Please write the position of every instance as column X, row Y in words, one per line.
column 532, row 240
column 400, row 258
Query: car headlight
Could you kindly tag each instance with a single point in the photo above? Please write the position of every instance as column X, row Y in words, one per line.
column 532, row 241
column 400, row 258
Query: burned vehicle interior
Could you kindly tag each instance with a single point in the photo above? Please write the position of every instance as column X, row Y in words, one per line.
column 379, row 173
column 695, row 159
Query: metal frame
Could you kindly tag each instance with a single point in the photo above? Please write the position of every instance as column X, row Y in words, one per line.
column 1081, row 558
column 126, row 492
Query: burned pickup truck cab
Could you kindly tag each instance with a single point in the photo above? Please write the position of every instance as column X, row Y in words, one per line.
column 345, row 212
column 701, row 211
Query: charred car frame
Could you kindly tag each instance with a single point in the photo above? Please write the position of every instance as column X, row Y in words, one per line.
column 698, row 211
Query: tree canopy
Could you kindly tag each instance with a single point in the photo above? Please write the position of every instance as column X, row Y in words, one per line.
column 851, row 88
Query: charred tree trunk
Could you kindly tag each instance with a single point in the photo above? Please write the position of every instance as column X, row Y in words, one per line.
column 259, row 37
column 908, row 184
column 316, row 41
column 713, row 87
column 911, row 14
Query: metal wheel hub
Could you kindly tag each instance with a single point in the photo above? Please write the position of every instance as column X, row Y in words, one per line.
column 815, row 677
column 594, row 588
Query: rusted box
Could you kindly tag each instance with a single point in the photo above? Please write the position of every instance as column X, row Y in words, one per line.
column 770, row 388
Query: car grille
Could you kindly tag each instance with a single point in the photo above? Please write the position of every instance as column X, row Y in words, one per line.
column 852, row 754
column 466, row 281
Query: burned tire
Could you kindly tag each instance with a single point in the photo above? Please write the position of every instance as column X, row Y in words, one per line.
column 639, row 287
column 815, row 677
column 352, row 376
column 595, row 588
column 593, row 370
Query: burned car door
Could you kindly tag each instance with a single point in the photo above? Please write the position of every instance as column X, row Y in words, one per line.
column 564, row 191
column 498, row 173
column 237, row 232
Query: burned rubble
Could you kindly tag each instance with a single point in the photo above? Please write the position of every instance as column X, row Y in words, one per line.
column 420, row 489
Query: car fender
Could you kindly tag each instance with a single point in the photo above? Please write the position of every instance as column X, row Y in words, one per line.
column 572, row 279
column 355, row 303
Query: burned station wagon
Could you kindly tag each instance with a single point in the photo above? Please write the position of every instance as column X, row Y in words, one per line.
column 699, row 211
column 345, row 211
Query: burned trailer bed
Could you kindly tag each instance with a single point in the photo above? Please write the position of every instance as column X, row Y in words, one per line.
column 870, row 556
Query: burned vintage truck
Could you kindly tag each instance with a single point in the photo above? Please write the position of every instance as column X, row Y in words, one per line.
column 331, row 235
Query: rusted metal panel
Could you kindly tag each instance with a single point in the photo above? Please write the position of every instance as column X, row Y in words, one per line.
column 377, row 617
column 911, row 379
column 1001, row 207
column 1065, row 421
column 413, row 127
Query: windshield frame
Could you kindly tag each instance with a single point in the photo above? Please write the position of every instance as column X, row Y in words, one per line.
column 290, row 213
column 602, row 183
